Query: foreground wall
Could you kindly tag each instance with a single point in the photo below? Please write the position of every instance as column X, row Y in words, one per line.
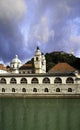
column 39, row 85
column 40, row 89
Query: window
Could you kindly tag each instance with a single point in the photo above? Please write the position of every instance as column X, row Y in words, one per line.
column 42, row 63
column 13, row 81
column 69, row 89
column 46, row 90
column 57, row 89
column 57, row 80
column 37, row 59
column 13, row 89
column 3, row 81
column 23, row 81
column 70, row 80
column 23, row 90
column 34, row 81
column 46, row 80
column 3, row 90
column 13, row 66
column 34, row 90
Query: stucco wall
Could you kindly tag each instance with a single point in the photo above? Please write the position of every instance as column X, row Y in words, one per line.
column 40, row 86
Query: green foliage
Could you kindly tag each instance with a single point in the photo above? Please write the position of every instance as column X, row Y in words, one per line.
column 56, row 57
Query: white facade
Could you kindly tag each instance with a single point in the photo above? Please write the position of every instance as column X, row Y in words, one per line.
column 3, row 71
column 39, row 85
column 39, row 62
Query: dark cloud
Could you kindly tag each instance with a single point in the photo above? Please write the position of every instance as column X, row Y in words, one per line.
column 51, row 24
column 11, row 39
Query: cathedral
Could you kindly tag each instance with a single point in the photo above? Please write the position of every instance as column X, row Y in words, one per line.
column 31, row 80
column 16, row 66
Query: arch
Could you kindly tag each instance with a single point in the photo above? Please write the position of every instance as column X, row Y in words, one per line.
column 3, row 81
column 34, row 89
column 57, row 89
column 57, row 80
column 70, row 80
column 13, row 81
column 34, row 81
column 46, row 80
column 46, row 90
column 23, row 81
column 13, row 89
column 23, row 90
column 3, row 90
column 69, row 89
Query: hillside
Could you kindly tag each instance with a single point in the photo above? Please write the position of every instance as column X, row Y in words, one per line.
column 56, row 57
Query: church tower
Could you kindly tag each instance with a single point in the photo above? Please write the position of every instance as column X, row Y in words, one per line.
column 43, row 63
column 39, row 62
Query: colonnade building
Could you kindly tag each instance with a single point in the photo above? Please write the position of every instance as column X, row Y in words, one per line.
column 21, row 80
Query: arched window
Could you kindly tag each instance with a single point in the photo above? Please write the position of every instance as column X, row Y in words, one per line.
column 34, row 89
column 57, row 89
column 3, row 90
column 69, row 89
column 23, row 90
column 70, row 80
column 46, row 80
column 23, row 81
column 3, row 81
column 13, row 89
column 13, row 81
column 34, row 81
column 37, row 58
column 46, row 90
column 57, row 80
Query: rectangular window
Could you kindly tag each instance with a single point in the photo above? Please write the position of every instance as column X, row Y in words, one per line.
column 37, row 59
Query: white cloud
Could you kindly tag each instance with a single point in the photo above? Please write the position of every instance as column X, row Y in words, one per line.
column 75, row 40
column 12, row 9
column 41, row 31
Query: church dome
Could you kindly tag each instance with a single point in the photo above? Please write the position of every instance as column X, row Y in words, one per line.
column 16, row 60
column 15, row 64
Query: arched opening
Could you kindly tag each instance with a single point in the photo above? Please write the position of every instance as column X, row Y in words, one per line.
column 34, row 81
column 3, row 81
column 57, row 89
column 46, row 90
column 23, row 90
column 69, row 89
column 13, row 81
column 23, row 81
column 37, row 58
column 57, row 80
column 70, row 80
column 34, row 89
column 3, row 90
column 46, row 80
column 13, row 89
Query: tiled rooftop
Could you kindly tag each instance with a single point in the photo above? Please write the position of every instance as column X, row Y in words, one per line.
column 62, row 67
column 2, row 67
column 26, row 66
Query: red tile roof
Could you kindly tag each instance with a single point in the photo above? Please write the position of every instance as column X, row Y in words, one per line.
column 2, row 67
column 26, row 66
column 62, row 67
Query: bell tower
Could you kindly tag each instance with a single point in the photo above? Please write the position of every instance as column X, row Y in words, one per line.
column 39, row 62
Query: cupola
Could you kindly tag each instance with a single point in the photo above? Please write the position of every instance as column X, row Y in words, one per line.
column 15, row 64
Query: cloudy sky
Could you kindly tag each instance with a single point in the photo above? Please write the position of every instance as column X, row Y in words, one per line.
column 53, row 25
